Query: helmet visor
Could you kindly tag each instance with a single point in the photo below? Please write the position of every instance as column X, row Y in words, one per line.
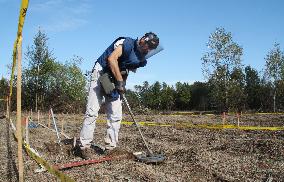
column 154, row 51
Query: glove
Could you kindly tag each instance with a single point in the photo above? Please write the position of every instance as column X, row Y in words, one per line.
column 120, row 86
column 114, row 95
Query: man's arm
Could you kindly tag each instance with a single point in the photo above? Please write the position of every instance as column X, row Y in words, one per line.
column 113, row 63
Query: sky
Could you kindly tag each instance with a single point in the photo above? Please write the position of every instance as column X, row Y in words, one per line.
column 85, row 28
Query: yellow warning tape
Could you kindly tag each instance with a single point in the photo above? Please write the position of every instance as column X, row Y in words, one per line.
column 41, row 161
column 192, row 115
column 234, row 127
column 270, row 113
column 140, row 123
column 209, row 114
column 206, row 126
column 47, row 166
column 23, row 12
column 243, row 114
column 260, row 128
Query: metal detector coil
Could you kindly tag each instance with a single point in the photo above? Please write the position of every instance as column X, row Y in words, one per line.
column 151, row 159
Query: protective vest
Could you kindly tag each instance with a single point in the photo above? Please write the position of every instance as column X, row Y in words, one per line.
column 131, row 58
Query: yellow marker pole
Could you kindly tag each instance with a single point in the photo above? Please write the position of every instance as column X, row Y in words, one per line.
column 19, row 110
column 17, row 52
column 23, row 11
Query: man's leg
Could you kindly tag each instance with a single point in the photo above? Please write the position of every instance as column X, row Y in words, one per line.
column 94, row 102
column 114, row 117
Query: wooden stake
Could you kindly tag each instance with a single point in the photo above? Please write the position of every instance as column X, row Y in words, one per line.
column 27, row 130
column 38, row 116
column 55, row 126
column 7, row 109
column 31, row 114
column 224, row 118
column 62, row 125
column 238, row 116
column 48, row 119
column 19, row 110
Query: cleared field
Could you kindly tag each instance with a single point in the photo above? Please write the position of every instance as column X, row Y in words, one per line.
column 193, row 153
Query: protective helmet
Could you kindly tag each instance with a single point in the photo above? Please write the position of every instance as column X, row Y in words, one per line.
column 152, row 40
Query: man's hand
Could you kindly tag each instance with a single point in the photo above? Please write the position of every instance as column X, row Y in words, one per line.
column 120, row 86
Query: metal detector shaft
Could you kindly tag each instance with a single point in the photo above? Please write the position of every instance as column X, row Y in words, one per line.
column 132, row 116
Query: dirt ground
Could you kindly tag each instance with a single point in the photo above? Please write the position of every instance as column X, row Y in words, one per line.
column 192, row 154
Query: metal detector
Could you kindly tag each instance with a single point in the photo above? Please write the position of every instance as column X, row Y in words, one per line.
column 150, row 157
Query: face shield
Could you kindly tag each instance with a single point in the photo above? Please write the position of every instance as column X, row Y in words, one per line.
column 152, row 52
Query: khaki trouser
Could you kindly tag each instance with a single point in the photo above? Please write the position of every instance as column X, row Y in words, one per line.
column 113, row 109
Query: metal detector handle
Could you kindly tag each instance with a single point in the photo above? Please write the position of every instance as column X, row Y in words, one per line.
column 132, row 116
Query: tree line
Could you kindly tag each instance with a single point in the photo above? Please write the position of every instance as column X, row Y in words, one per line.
column 229, row 85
